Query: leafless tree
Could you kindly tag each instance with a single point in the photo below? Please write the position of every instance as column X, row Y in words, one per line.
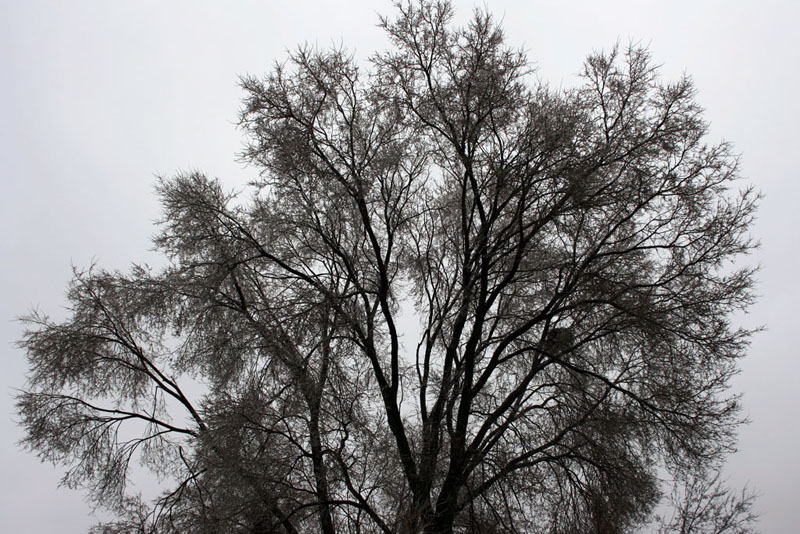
column 700, row 503
column 567, row 253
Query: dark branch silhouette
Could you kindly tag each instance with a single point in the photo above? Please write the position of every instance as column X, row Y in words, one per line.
column 570, row 256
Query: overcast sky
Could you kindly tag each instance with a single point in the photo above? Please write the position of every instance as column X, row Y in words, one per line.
column 96, row 98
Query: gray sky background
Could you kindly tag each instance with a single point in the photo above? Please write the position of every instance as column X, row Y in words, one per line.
column 97, row 97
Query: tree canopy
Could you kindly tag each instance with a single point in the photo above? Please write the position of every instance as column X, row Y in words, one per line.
column 456, row 300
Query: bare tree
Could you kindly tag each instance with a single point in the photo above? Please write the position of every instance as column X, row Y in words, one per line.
column 568, row 254
column 701, row 504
